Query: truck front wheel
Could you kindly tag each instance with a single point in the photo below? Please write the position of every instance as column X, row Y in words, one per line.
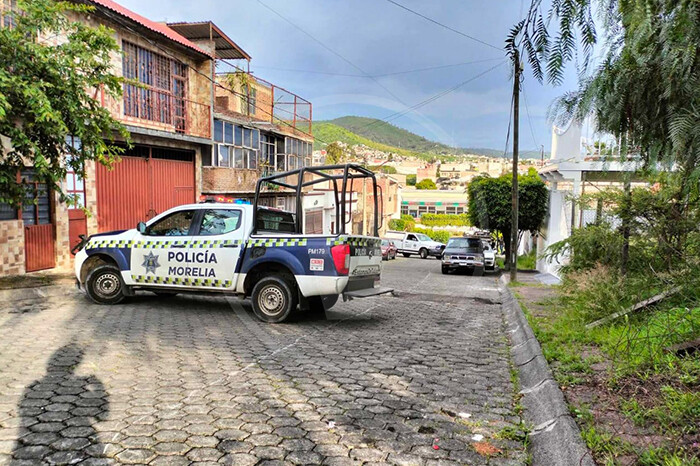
column 104, row 285
column 423, row 253
column 273, row 299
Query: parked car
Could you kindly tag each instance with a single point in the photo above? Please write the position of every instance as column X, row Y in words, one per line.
column 388, row 249
column 489, row 255
column 409, row 243
column 463, row 253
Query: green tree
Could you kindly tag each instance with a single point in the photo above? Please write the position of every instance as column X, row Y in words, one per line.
column 47, row 94
column 645, row 91
column 411, row 180
column 437, row 172
column 426, row 184
column 334, row 154
column 490, row 203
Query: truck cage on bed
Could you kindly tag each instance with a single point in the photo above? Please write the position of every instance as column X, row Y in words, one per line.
column 348, row 174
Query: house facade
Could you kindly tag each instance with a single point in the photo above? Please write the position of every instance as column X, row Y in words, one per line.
column 186, row 140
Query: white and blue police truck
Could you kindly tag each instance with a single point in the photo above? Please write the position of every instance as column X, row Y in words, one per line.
column 239, row 248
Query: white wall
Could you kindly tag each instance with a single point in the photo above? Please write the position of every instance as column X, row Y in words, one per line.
column 558, row 228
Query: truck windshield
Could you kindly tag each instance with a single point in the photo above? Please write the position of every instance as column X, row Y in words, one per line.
column 275, row 220
column 470, row 244
column 422, row 237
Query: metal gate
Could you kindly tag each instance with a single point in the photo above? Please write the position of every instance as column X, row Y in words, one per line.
column 147, row 181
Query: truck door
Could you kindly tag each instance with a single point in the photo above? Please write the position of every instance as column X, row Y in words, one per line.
column 216, row 247
column 161, row 249
column 411, row 243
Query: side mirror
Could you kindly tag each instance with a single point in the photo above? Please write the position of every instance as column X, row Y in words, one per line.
column 141, row 228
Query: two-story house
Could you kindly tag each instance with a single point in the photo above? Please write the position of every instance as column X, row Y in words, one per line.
column 259, row 128
column 182, row 144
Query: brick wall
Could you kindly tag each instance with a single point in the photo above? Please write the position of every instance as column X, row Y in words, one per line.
column 12, row 247
column 228, row 180
column 63, row 257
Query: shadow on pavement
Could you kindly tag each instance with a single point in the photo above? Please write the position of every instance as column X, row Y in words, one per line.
column 57, row 413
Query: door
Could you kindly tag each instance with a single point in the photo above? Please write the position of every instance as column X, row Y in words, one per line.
column 160, row 256
column 77, row 222
column 39, row 236
column 411, row 243
column 216, row 247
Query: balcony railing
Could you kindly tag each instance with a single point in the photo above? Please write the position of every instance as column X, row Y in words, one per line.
column 269, row 103
column 157, row 109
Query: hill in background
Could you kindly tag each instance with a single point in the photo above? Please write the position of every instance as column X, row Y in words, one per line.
column 386, row 137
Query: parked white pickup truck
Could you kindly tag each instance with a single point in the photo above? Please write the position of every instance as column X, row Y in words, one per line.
column 415, row 243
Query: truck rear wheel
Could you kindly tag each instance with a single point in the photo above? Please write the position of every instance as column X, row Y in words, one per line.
column 104, row 285
column 405, row 254
column 273, row 299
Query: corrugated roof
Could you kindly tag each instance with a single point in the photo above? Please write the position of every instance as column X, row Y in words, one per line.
column 207, row 30
column 154, row 26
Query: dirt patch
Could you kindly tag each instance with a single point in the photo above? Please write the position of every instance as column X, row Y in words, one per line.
column 33, row 280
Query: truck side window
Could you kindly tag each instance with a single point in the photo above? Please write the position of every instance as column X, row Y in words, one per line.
column 175, row 224
column 219, row 222
column 275, row 220
column 411, row 238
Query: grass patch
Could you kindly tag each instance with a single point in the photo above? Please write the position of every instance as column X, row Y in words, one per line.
column 637, row 377
column 528, row 261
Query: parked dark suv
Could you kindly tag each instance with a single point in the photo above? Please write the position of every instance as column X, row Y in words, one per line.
column 465, row 253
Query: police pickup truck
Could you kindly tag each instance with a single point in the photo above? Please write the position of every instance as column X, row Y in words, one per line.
column 237, row 248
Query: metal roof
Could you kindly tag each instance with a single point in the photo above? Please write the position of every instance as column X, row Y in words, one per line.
column 207, row 30
column 154, row 26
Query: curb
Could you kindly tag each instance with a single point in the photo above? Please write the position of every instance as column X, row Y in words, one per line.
column 555, row 438
column 38, row 292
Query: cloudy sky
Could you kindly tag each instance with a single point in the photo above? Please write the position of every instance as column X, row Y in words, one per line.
column 376, row 38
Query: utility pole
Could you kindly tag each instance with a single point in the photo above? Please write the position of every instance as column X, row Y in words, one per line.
column 514, row 220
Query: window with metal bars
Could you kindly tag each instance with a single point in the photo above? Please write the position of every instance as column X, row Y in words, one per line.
column 8, row 12
column 158, row 90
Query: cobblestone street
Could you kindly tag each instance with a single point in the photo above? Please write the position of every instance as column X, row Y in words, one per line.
column 412, row 379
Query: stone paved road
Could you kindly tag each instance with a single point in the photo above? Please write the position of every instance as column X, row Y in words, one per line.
column 198, row 379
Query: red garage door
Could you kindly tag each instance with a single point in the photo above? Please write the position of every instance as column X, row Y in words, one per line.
column 147, row 181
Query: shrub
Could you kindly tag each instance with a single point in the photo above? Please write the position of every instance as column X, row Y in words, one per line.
column 411, row 180
column 441, row 220
column 426, row 184
column 402, row 224
column 436, row 235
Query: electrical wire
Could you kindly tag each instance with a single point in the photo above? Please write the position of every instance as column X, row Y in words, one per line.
column 529, row 120
column 388, row 91
column 416, row 70
column 444, row 25
column 120, row 21
column 435, row 97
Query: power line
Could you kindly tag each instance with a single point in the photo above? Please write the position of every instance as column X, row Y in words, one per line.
column 437, row 96
column 416, row 70
column 118, row 19
column 444, row 25
column 529, row 120
column 332, row 51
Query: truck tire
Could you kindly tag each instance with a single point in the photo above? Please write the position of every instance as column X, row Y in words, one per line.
column 273, row 299
column 104, row 285
column 445, row 270
column 405, row 254
column 319, row 304
column 423, row 253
